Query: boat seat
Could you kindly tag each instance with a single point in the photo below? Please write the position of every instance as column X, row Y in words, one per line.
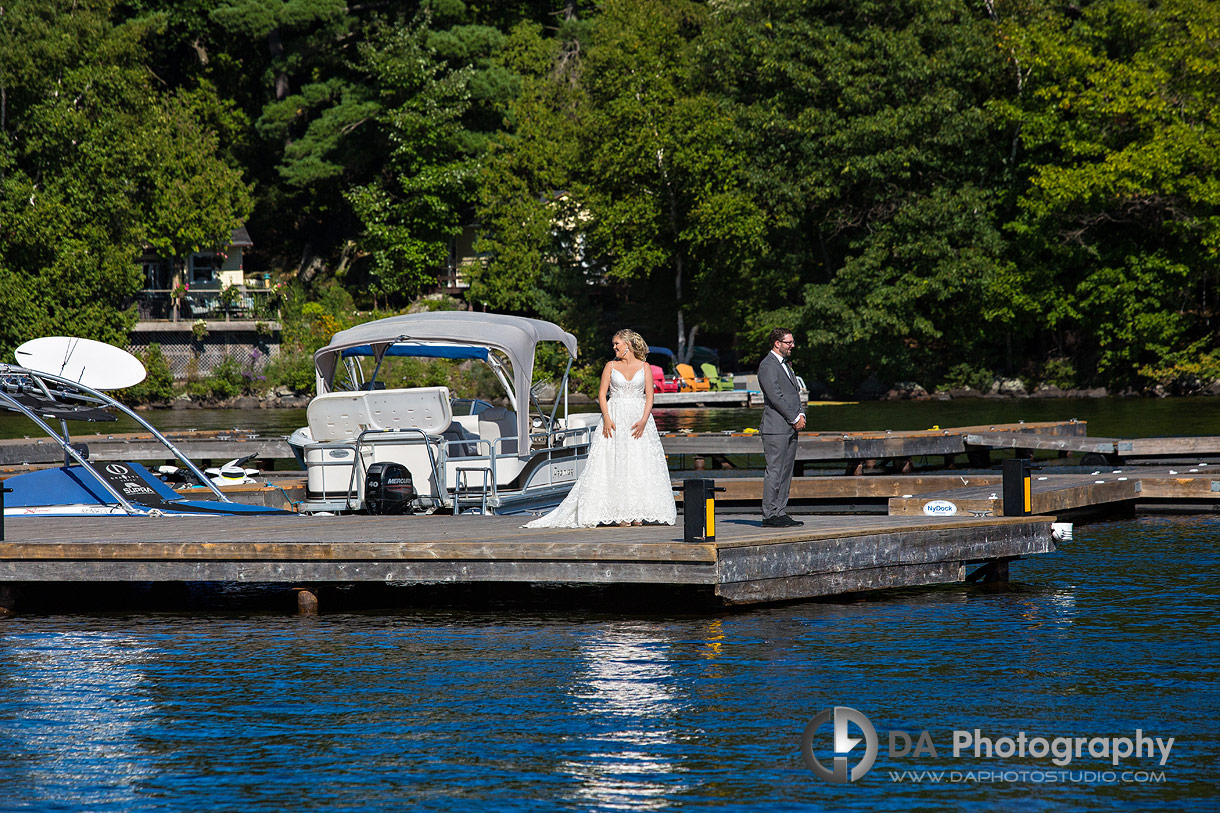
column 457, row 432
column 337, row 416
column 499, row 423
column 340, row 417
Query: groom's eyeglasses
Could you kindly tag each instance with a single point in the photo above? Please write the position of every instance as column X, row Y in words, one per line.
column 790, row 341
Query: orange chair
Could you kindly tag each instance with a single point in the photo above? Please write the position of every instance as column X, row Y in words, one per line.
column 689, row 382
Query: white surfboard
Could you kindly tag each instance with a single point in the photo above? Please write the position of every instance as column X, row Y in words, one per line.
column 95, row 364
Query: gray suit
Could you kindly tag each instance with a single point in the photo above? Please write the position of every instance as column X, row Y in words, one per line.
column 781, row 406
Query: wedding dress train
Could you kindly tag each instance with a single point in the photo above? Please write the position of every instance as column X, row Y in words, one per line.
column 625, row 479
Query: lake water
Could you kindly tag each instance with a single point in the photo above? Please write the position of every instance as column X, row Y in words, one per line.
column 1105, row 417
column 525, row 706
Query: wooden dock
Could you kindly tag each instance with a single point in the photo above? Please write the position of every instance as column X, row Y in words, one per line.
column 813, row 446
column 746, row 563
column 195, row 444
column 894, row 530
column 1069, row 494
column 861, row 448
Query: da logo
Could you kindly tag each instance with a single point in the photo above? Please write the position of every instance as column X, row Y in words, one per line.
column 841, row 717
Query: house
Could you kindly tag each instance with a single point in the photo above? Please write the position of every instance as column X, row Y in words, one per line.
column 203, row 308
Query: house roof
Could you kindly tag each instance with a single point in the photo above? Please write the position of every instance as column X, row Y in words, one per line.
column 241, row 237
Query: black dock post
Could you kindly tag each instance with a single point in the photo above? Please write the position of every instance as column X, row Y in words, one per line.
column 1018, row 498
column 699, row 510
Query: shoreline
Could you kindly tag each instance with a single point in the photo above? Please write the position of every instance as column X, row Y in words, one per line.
column 294, row 401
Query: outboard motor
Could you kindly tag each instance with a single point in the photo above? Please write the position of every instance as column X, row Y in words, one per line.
column 388, row 489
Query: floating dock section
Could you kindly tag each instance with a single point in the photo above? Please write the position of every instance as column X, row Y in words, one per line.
column 745, row 564
column 860, row 451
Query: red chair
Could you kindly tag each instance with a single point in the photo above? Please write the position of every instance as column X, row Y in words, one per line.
column 659, row 384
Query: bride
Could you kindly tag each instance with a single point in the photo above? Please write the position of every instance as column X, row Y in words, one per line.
column 625, row 479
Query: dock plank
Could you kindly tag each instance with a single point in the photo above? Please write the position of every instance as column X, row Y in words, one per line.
column 830, row 446
column 749, row 489
column 1170, row 486
column 934, row 554
column 1169, row 447
column 1032, row 440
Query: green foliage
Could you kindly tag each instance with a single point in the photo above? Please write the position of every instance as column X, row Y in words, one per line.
column 1186, row 371
column 619, row 172
column 921, row 189
column 412, row 207
column 531, row 241
column 967, row 376
column 306, row 326
column 871, row 149
column 158, row 386
column 586, row 379
column 1118, row 223
column 1059, row 372
column 226, row 380
column 291, row 368
column 95, row 163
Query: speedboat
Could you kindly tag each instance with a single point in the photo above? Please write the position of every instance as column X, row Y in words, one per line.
column 380, row 449
column 81, row 487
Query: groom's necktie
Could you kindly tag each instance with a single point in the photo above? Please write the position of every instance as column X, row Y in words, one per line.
column 788, row 369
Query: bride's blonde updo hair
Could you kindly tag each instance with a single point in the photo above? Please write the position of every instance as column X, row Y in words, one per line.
column 639, row 347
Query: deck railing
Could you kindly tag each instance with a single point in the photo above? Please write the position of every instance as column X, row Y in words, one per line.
column 253, row 304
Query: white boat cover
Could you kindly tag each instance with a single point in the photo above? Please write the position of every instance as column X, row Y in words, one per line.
column 515, row 336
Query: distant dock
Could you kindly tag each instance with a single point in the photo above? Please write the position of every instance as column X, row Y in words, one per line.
column 709, row 398
column 858, row 451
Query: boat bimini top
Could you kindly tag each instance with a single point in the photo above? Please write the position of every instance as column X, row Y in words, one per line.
column 455, row 335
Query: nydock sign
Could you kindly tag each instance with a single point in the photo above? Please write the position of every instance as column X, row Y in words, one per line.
column 939, row 508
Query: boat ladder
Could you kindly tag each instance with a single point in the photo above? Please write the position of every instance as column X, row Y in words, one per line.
column 464, row 490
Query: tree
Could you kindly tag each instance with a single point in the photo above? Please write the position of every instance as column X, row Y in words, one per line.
column 1118, row 218
column 412, row 207
column 630, row 176
column 532, row 235
column 94, row 165
column 877, row 162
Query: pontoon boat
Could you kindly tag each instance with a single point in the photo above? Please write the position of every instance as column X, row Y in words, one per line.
column 378, row 449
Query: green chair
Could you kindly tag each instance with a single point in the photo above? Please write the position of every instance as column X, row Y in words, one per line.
column 715, row 379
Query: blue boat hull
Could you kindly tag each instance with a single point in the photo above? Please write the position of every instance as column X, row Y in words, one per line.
column 75, row 491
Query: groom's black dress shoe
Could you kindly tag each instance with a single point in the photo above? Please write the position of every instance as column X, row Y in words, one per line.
column 781, row 522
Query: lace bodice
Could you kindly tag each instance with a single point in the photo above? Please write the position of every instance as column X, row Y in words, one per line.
column 623, row 387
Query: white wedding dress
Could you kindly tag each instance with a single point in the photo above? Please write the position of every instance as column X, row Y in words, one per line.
column 625, row 479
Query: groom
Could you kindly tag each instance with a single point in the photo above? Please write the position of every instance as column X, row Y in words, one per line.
column 782, row 418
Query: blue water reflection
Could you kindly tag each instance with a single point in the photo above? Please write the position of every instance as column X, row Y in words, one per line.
column 522, row 709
